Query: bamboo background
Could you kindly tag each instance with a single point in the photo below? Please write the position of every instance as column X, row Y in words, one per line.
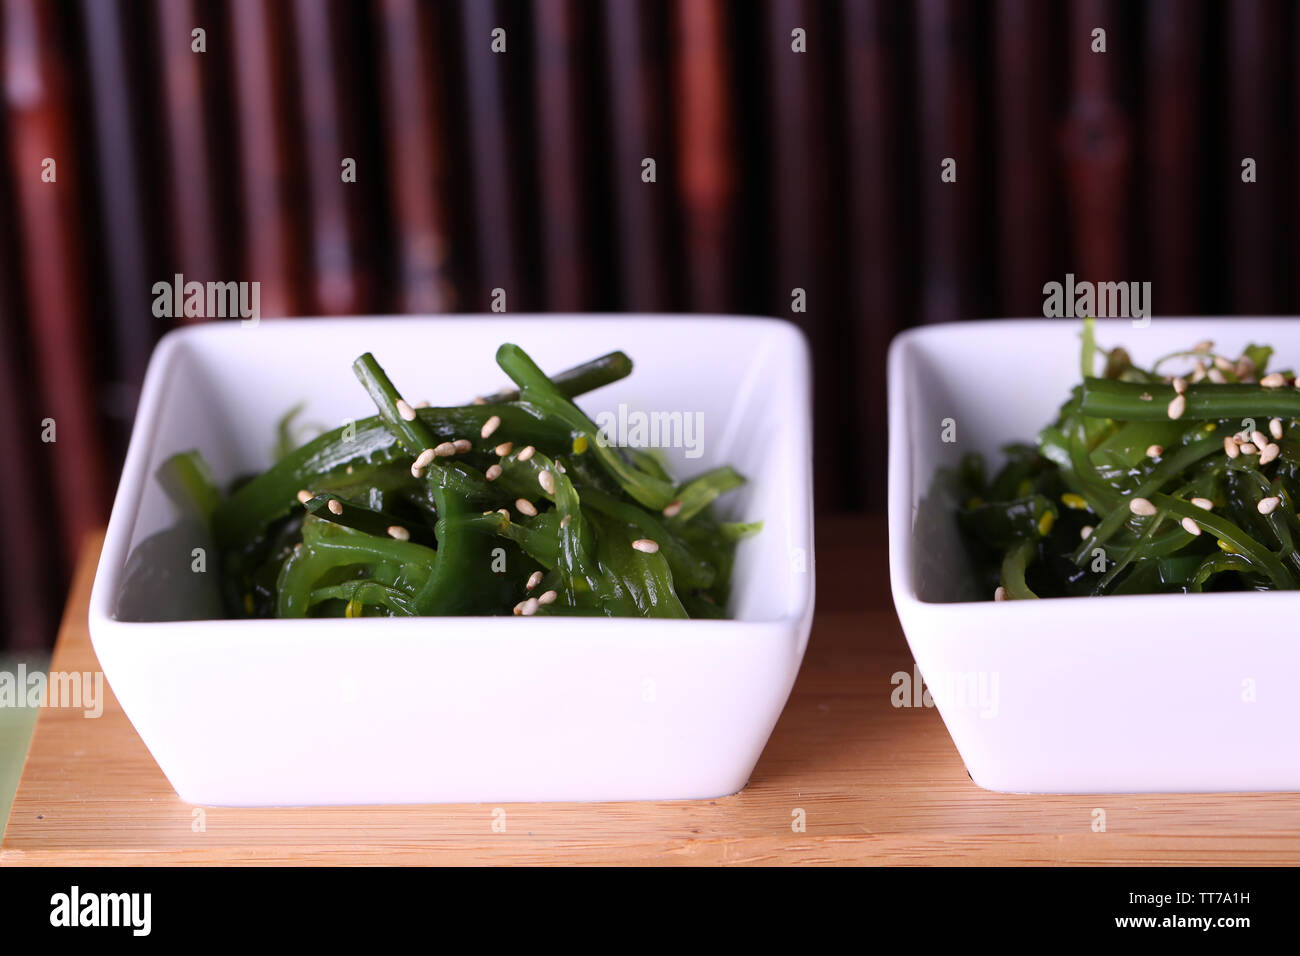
column 522, row 170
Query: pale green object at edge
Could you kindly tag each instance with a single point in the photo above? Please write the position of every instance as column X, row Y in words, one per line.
column 16, row 724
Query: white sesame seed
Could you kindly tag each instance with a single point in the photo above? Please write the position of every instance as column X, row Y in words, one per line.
column 547, row 481
column 559, row 466
column 645, row 545
column 1205, row 504
column 1140, row 506
column 504, row 448
column 1267, row 506
column 1177, row 406
column 527, row 453
column 1270, row 452
column 502, row 511
column 1190, row 526
column 1084, row 532
column 1198, row 373
column 547, row 597
column 519, row 608
column 422, row 405
column 1247, row 448
column 398, row 532
column 405, row 410
column 444, row 449
column 529, row 608
column 1230, row 447
column 525, row 507
column 1000, row 594
column 564, row 522
column 1275, row 428
column 305, row 496
column 493, row 472
column 1203, row 346
column 1273, row 380
column 423, row 458
column 1154, row 451
column 1259, row 438
column 1180, row 385
column 335, row 506
column 1215, row 376
column 1222, row 364
column 1145, row 396
column 672, row 509
column 489, row 426
column 463, row 445
column 348, row 469
column 534, row 579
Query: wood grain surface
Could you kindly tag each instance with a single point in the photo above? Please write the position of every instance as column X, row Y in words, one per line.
column 876, row 784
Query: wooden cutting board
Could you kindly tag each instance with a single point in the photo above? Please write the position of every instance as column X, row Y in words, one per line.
column 846, row 778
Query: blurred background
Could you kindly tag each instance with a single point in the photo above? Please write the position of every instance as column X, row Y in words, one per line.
column 796, row 144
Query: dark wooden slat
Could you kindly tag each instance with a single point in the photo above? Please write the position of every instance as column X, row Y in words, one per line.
column 705, row 177
column 636, row 75
column 259, row 67
column 49, row 231
column 417, row 181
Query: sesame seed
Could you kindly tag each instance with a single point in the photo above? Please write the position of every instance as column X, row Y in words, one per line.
column 1245, row 367
column 526, row 507
column 529, row 608
column 1154, row 451
column 489, row 426
column 564, row 522
column 1203, row 346
column 1222, row 364
column 335, row 506
column 1085, row 532
column 645, row 545
column 502, row 511
column 422, row 405
column 1190, row 526
column 398, row 532
column 348, row 469
column 504, row 448
column 1198, row 373
column 1273, row 380
column 1180, row 385
column 1247, row 448
column 1215, row 376
column 1275, row 428
column 534, row 579
column 672, row 509
column 1270, row 452
column 1177, row 406
column 1000, row 594
column 1230, row 447
column 444, row 449
column 1145, row 396
column 547, row 597
column 527, row 453
column 405, row 410
column 1140, row 506
column 547, row 481
column 1204, row 504
column 1267, row 506
column 493, row 472
column 1259, row 438
column 305, row 496
column 423, row 458
column 463, row 445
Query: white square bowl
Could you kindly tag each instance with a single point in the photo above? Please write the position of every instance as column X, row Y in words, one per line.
column 1157, row 693
column 460, row 709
